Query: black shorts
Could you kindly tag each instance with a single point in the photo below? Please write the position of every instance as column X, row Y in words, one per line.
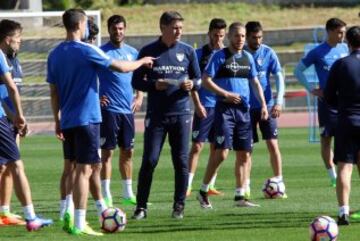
column 347, row 145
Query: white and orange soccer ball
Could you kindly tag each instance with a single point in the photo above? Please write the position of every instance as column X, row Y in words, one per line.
column 274, row 188
column 323, row 228
column 113, row 220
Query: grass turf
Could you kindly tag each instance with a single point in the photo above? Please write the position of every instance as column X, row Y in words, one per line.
column 308, row 188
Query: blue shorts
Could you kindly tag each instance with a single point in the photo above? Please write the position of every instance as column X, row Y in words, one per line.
column 202, row 129
column 347, row 144
column 327, row 119
column 82, row 144
column 232, row 127
column 117, row 129
column 268, row 128
column 9, row 151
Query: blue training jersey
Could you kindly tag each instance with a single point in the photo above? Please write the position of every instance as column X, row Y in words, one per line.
column 266, row 62
column 232, row 72
column 207, row 98
column 114, row 85
column 177, row 62
column 4, row 68
column 16, row 74
column 72, row 68
column 323, row 57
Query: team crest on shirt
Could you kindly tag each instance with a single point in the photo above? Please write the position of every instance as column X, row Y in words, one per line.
column 260, row 61
column 195, row 134
column 220, row 139
column 180, row 56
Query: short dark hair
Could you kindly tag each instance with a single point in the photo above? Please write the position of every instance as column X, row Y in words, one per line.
column 235, row 25
column 253, row 27
column 353, row 36
column 217, row 23
column 8, row 28
column 93, row 29
column 169, row 16
column 72, row 17
column 115, row 19
column 334, row 23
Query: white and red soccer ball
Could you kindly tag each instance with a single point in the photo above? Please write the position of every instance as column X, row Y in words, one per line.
column 274, row 188
column 323, row 228
column 113, row 220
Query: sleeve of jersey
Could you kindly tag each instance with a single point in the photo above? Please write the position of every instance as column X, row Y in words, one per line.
column 4, row 67
column 139, row 81
column 253, row 72
column 98, row 57
column 330, row 92
column 50, row 75
column 213, row 65
column 194, row 70
column 275, row 63
column 309, row 59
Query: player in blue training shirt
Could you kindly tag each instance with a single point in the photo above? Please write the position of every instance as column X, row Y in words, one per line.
column 117, row 111
column 342, row 91
column 6, row 217
column 66, row 181
column 204, row 101
column 230, row 74
column 322, row 57
column 10, row 39
column 175, row 73
column 72, row 75
column 267, row 63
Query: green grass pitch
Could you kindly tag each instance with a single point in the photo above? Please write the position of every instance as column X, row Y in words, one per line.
column 307, row 184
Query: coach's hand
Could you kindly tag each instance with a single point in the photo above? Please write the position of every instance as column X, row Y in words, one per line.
column 161, row 84
column 264, row 113
column 58, row 131
column 200, row 111
column 232, row 98
column 318, row 92
column 276, row 111
column 187, row 85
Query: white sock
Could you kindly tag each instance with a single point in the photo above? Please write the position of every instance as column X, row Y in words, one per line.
column 5, row 209
column 100, row 206
column 29, row 212
column 240, row 192
column 127, row 188
column 105, row 188
column 279, row 178
column 204, row 187
column 80, row 218
column 62, row 208
column 191, row 178
column 332, row 173
column 344, row 210
column 69, row 205
column 212, row 181
column 247, row 184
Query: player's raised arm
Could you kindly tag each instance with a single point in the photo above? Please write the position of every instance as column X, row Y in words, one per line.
column 128, row 66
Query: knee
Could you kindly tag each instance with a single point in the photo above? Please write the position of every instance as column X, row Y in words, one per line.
column 197, row 147
column 126, row 155
column 2, row 169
